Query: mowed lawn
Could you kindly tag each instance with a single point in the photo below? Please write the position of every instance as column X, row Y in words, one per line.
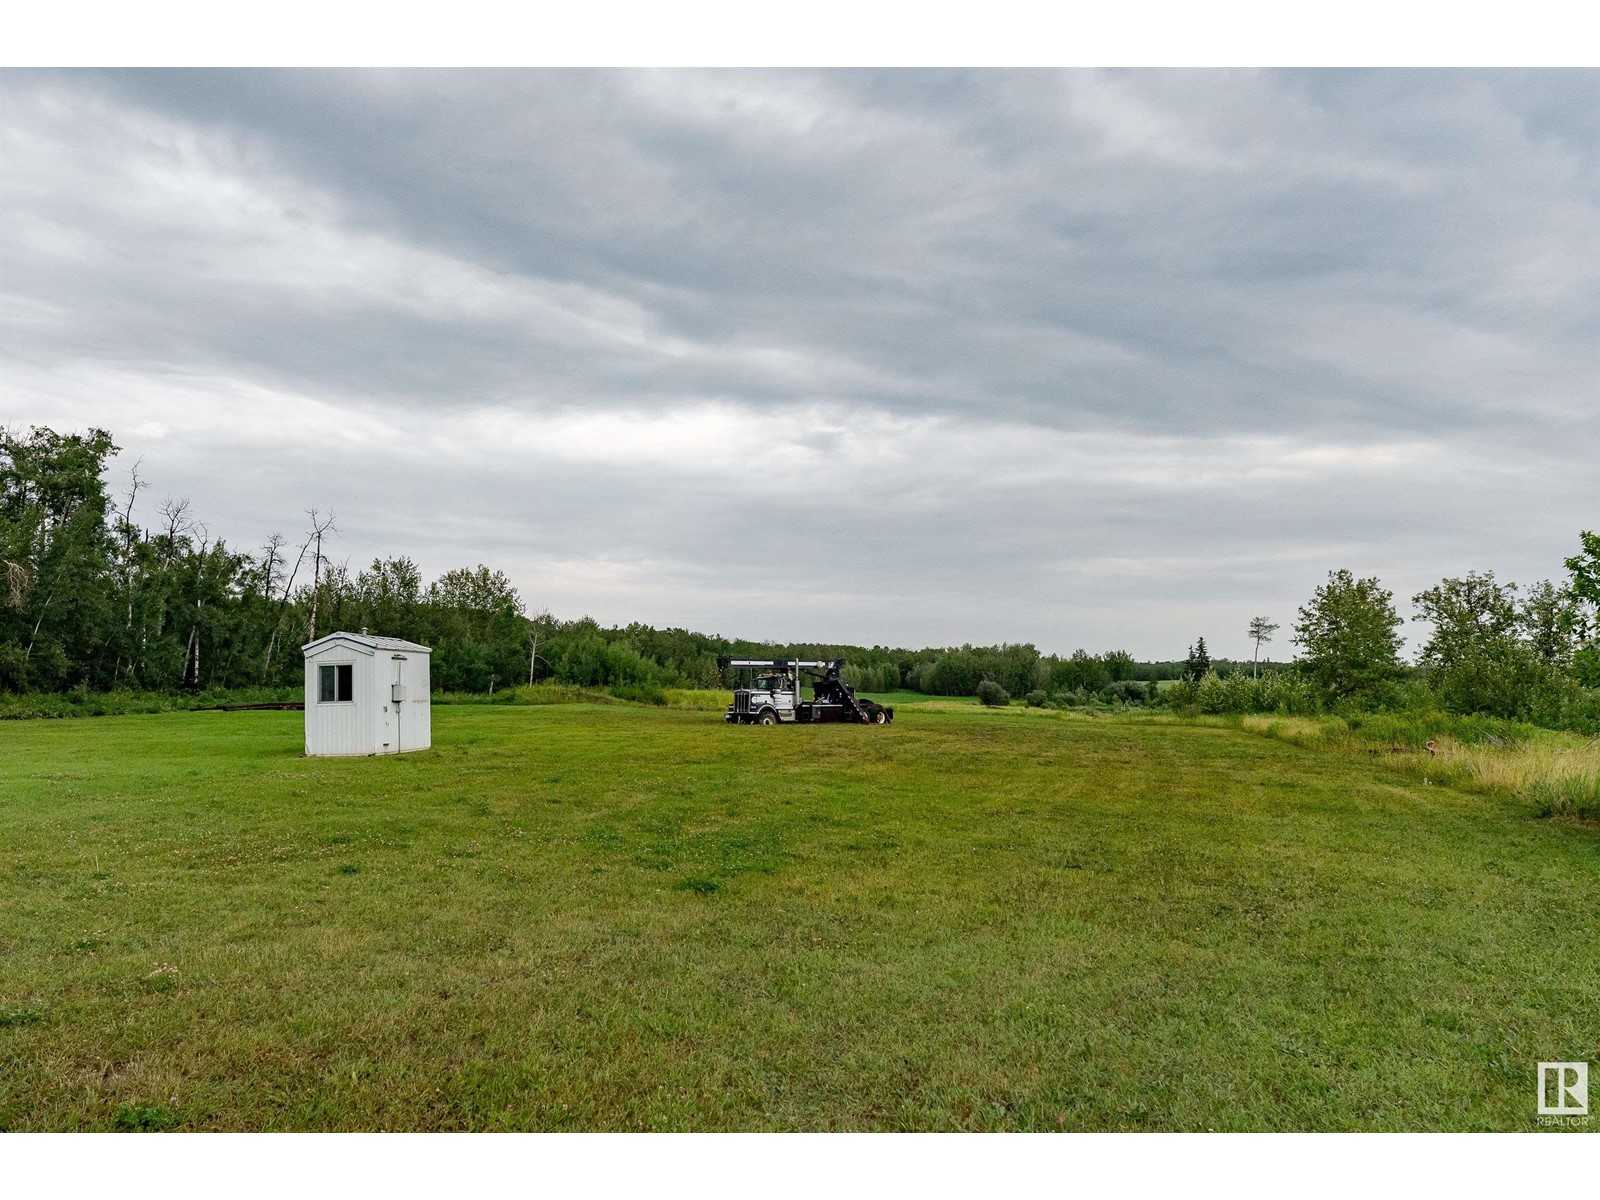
column 624, row 918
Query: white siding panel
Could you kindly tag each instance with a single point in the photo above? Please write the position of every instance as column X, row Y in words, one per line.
column 371, row 722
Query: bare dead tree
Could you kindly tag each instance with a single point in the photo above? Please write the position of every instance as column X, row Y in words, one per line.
column 534, row 623
column 283, row 605
column 191, row 661
column 130, row 535
column 317, row 532
column 271, row 560
column 178, row 524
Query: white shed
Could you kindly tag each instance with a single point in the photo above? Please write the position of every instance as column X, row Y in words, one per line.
column 366, row 695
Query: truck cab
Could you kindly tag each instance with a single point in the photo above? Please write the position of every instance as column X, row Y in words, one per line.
column 772, row 696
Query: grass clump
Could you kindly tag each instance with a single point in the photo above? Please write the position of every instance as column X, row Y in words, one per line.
column 1572, row 795
column 144, row 1118
column 701, row 885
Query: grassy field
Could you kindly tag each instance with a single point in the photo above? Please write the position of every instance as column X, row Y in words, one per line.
column 605, row 916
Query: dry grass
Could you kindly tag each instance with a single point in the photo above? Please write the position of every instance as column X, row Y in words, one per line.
column 1558, row 773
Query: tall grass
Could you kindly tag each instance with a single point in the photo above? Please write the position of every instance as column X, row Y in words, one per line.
column 1558, row 780
column 699, row 699
column 1557, row 774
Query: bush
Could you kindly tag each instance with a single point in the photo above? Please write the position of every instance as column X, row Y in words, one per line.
column 1285, row 692
column 1183, row 696
column 1233, row 694
column 1561, row 703
column 1036, row 699
column 992, row 694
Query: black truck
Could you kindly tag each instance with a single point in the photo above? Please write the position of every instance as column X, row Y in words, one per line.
column 772, row 697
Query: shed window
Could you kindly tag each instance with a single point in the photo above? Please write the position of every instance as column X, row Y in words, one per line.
column 337, row 682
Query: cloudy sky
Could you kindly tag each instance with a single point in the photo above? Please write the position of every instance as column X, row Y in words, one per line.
column 907, row 358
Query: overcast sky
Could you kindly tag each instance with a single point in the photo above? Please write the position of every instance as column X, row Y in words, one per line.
column 907, row 358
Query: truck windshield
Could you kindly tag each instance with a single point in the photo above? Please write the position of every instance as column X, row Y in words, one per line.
column 770, row 683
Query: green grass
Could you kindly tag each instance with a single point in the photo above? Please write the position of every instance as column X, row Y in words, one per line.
column 621, row 917
column 905, row 699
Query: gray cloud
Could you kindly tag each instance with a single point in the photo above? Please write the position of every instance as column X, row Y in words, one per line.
column 1112, row 358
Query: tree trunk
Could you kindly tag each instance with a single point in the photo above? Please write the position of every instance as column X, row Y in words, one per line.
column 43, row 608
column 191, row 660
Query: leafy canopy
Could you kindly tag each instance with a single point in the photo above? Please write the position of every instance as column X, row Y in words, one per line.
column 1348, row 636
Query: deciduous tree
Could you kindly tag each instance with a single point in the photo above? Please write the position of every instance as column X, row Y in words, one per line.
column 1478, row 661
column 1348, row 633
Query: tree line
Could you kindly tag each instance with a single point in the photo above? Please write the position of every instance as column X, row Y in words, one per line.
column 96, row 599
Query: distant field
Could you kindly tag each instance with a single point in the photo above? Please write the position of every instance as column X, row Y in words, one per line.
column 619, row 917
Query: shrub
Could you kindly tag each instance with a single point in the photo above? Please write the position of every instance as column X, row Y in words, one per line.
column 1561, row 703
column 1233, row 694
column 1183, row 696
column 991, row 693
column 1036, row 699
column 1285, row 692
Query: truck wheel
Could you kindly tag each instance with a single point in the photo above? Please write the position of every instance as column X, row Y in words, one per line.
column 880, row 717
column 768, row 718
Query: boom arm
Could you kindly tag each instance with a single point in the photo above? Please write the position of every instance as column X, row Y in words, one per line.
column 724, row 662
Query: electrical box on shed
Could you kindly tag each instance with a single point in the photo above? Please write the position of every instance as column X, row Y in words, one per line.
column 397, row 692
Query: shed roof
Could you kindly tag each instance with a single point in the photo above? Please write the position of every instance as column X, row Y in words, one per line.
column 366, row 643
